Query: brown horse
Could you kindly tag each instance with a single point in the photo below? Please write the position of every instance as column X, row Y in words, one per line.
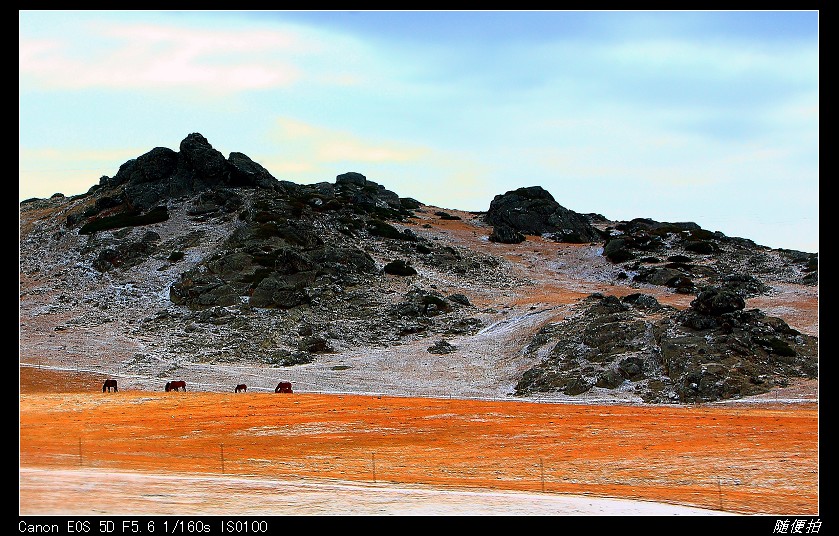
column 174, row 386
column 241, row 387
column 283, row 387
column 108, row 384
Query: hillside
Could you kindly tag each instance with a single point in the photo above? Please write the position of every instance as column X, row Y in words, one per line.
column 189, row 265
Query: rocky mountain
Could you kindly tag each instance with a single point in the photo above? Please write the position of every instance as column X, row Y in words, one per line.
column 187, row 263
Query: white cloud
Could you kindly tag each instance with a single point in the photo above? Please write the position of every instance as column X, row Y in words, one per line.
column 145, row 56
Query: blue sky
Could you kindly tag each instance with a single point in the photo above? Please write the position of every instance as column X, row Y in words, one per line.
column 704, row 116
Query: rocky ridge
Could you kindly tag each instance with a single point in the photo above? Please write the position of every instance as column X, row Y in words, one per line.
column 189, row 261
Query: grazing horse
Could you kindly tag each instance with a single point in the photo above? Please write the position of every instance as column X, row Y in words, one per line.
column 241, row 387
column 174, row 386
column 283, row 387
column 108, row 384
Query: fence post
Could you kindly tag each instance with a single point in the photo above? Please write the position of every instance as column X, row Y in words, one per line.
column 542, row 468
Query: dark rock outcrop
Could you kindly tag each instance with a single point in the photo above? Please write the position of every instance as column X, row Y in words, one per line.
column 504, row 234
column 534, row 211
column 446, row 216
column 163, row 173
column 696, row 257
column 715, row 350
column 459, row 299
column 715, row 302
column 421, row 303
column 246, row 172
column 131, row 218
column 399, row 267
column 370, row 196
column 442, row 347
column 126, row 253
column 618, row 250
column 283, row 271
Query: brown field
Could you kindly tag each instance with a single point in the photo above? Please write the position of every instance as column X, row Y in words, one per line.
column 748, row 458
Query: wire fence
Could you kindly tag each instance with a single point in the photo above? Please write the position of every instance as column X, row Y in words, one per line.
column 671, row 481
column 538, row 475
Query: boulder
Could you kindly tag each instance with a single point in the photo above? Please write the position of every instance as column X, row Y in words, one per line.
column 504, row 234
column 714, row 301
column 442, row 347
column 534, row 211
column 246, row 172
column 399, row 267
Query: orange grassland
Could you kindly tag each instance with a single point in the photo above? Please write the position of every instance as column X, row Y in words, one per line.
column 744, row 458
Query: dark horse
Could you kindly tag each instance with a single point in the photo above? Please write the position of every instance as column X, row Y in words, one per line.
column 174, row 386
column 283, row 387
column 241, row 387
column 108, row 384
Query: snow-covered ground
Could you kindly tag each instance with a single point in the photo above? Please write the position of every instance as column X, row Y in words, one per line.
column 91, row 492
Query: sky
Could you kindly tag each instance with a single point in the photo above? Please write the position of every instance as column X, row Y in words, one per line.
column 703, row 116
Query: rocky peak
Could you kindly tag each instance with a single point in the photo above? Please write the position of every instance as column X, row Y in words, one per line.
column 163, row 173
column 534, row 211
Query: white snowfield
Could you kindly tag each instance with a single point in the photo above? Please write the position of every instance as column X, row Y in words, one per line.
column 97, row 492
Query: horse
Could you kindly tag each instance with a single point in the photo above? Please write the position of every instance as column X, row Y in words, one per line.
column 283, row 387
column 174, row 386
column 108, row 384
column 241, row 387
